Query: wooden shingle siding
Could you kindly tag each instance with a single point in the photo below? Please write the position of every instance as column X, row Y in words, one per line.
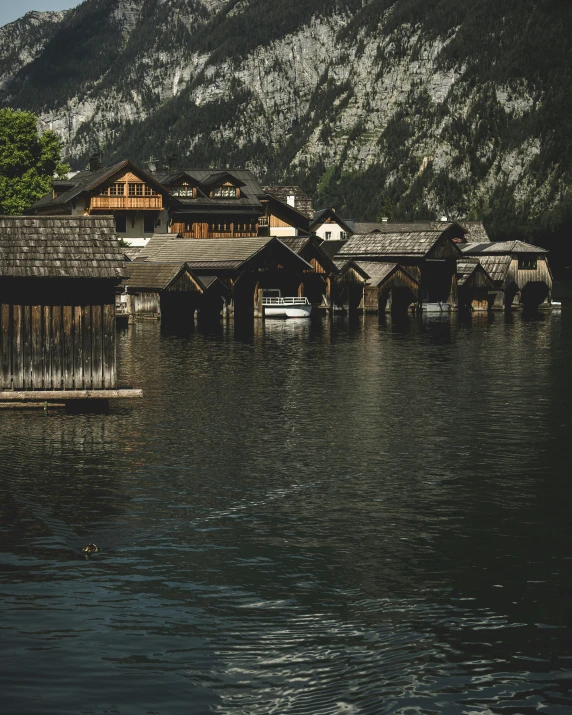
column 53, row 347
column 57, row 303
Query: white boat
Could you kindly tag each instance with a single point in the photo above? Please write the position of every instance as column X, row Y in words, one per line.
column 275, row 306
column 436, row 307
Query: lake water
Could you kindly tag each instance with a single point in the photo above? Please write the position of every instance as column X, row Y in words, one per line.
column 343, row 518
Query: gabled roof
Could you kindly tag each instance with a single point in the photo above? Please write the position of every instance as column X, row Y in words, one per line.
column 219, row 253
column 219, row 176
column 390, row 244
column 295, row 243
column 168, row 179
column 87, row 180
column 476, row 232
column 320, row 216
column 343, row 264
column 332, row 248
column 466, row 267
column 379, row 271
column 244, row 178
column 290, row 214
column 302, row 202
column 401, row 226
column 151, row 275
column 301, row 244
column 496, row 266
column 501, row 247
column 60, row 247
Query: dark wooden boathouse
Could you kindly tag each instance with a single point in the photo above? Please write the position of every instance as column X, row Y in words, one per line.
column 169, row 291
column 58, row 277
column 317, row 281
column 247, row 266
column 428, row 256
column 390, row 288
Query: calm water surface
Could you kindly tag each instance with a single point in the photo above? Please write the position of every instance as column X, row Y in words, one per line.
column 307, row 518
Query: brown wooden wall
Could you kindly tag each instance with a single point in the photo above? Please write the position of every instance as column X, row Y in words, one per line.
column 204, row 230
column 57, row 347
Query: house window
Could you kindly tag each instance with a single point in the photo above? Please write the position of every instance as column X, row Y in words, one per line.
column 149, row 191
column 135, row 189
column 225, row 192
column 328, row 235
column 121, row 224
column 117, row 189
column 343, row 235
column 148, row 224
column 104, row 191
column 527, row 264
column 184, row 190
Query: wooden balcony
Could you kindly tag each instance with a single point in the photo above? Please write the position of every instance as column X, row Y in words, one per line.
column 153, row 203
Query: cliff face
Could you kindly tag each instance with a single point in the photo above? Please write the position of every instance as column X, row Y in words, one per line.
column 427, row 107
column 22, row 41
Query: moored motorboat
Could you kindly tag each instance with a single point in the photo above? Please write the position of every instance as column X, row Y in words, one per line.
column 436, row 307
column 276, row 306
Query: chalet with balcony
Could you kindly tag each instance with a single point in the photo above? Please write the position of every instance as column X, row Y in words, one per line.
column 137, row 201
column 212, row 204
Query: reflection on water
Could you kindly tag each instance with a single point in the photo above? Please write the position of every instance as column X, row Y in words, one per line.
column 300, row 517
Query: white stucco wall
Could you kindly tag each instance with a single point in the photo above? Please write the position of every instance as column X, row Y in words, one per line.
column 331, row 228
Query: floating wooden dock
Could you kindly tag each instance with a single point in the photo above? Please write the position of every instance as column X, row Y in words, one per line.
column 65, row 395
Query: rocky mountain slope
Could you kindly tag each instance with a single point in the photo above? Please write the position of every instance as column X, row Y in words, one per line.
column 425, row 107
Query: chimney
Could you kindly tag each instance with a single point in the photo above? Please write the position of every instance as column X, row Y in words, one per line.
column 291, row 200
column 94, row 162
column 172, row 162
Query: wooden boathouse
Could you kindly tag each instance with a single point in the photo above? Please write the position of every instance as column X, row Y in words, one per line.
column 317, row 281
column 246, row 265
column 389, row 288
column 474, row 286
column 520, row 273
column 169, row 291
column 428, row 256
column 58, row 277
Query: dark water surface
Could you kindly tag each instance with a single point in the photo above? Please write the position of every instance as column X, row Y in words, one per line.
column 311, row 518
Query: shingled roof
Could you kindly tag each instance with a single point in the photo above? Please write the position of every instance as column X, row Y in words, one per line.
column 496, row 266
column 88, row 181
column 250, row 189
column 150, row 275
column 501, row 247
column 417, row 243
column 476, row 232
column 378, row 271
column 219, row 253
column 465, row 269
column 302, row 202
column 60, row 247
column 400, row 226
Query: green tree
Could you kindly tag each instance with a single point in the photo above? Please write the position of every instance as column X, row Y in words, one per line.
column 28, row 161
column 386, row 210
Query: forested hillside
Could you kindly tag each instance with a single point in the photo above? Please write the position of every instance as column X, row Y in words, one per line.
column 425, row 107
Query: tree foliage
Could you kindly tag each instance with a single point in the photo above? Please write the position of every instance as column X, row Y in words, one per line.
column 28, row 161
